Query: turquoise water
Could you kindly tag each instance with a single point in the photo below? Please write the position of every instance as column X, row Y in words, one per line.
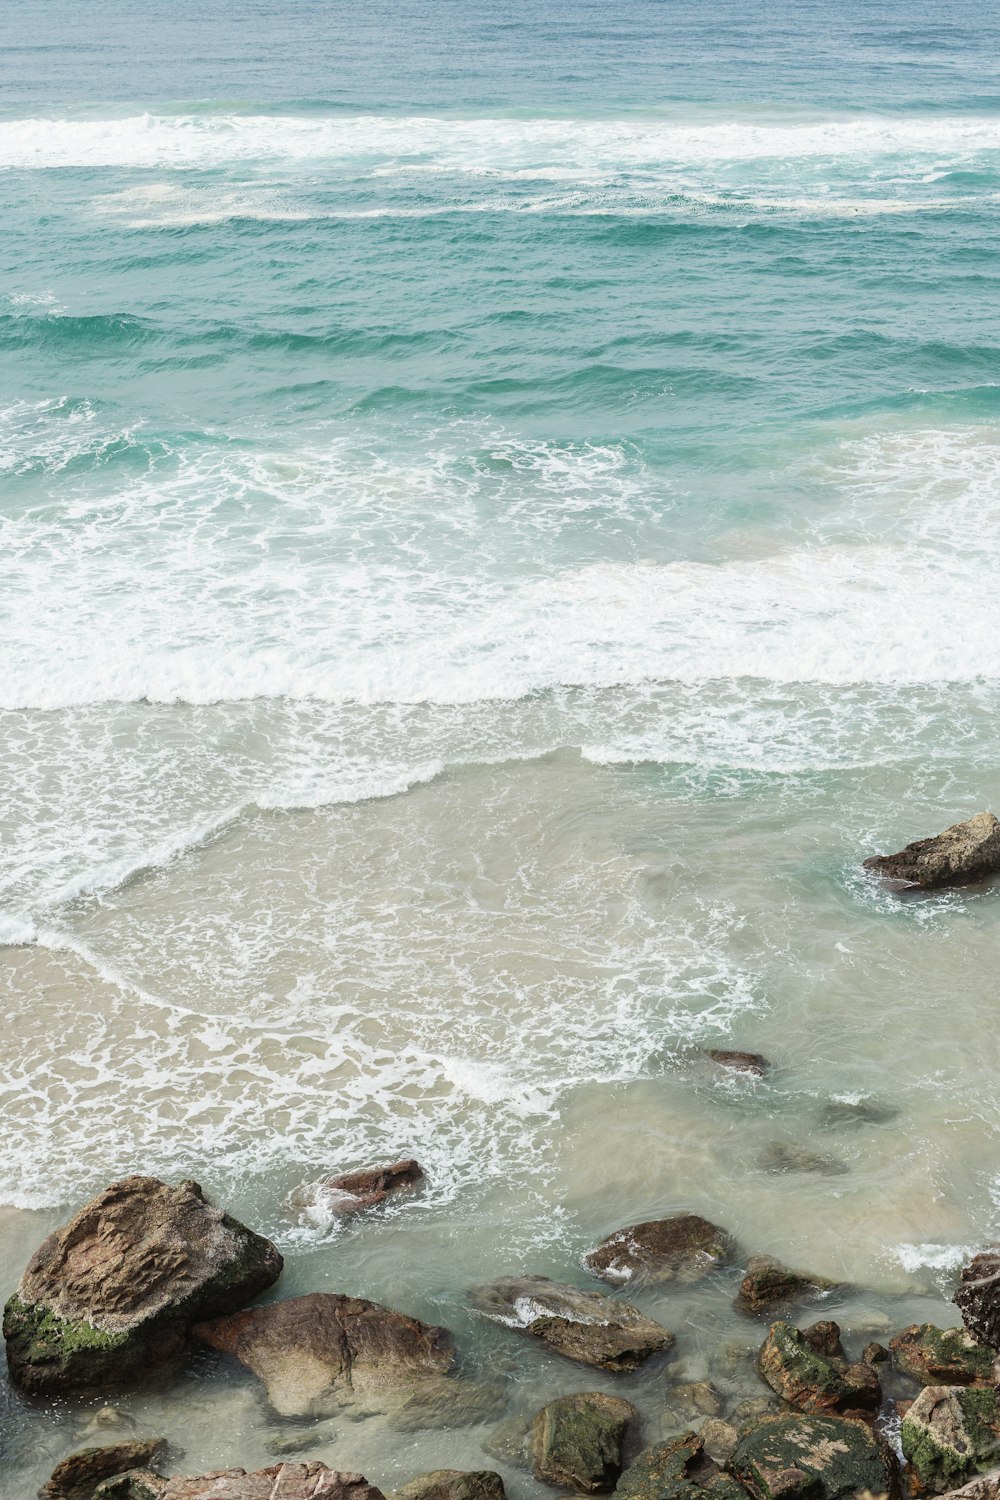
column 499, row 517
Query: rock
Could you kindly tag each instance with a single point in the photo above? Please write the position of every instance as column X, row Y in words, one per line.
column 808, row 1369
column 751, row 1063
column 874, row 1354
column 452, row 1484
column 314, row 1352
column 839, row 1112
column 941, row 1356
column 793, row 1457
column 768, row 1282
column 577, row 1441
column 719, row 1439
column 589, row 1327
column 978, row 1298
column 78, row 1475
column 352, row 1192
column 110, row 1297
column 950, row 1432
column 964, row 852
column 134, row 1484
column 449, row 1403
column 678, row 1470
column 780, row 1157
column 308, row 1481
column 681, row 1248
column 509, row 1442
column 983, row 1487
column 694, row 1398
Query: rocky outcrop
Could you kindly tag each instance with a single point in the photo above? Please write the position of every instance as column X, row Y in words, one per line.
column 352, row 1192
column 752, row 1064
column 951, row 1432
column 767, row 1283
column 309, row 1481
column 964, row 852
column 589, row 1327
column 452, row 1484
column 808, row 1369
column 941, row 1356
column 791, row 1457
column 314, row 1352
column 678, row 1470
column 111, row 1296
column 77, row 1476
column 978, row 1298
column 577, row 1441
column 681, row 1248
column 983, row 1487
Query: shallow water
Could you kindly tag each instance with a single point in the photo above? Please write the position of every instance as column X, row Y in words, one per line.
column 498, row 521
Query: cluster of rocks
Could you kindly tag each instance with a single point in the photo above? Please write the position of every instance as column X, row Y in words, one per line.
column 145, row 1269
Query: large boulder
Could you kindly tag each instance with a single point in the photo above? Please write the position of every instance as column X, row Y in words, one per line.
column 351, row 1192
column 590, row 1327
column 111, row 1296
column 964, row 852
column 577, row 1441
column 681, row 1248
column 677, row 1470
column 313, row 1353
column 950, row 1433
column 767, row 1283
column 798, row 1457
column 77, row 1476
column 452, row 1484
column 808, row 1369
column 308, row 1481
column 941, row 1356
column 978, row 1298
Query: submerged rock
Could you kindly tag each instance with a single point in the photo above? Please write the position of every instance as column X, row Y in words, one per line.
column 781, row 1157
column 767, row 1282
column 941, row 1356
column 678, row 1470
column 694, row 1398
column 452, row 1484
column 978, row 1298
column 964, row 852
column 752, row 1063
column 314, row 1352
column 792, row 1457
column 589, row 1327
column 111, row 1296
column 77, row 1476
column 446, row 1403
column 577, row 1441
column 840, row 1112
column 950, row 1432
column 308, row 1481
column 808, row 1369
column 352, row 1192
column 682, row 1248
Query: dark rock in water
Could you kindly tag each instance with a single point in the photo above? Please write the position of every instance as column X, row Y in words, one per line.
column 452, row 1484
column 352, row 1192
column 308, row 1481
column 780, row 1157
column 678, row 1470
column 135, row 1484
column 808, row 1369
column 767, row 1282
column 874, row 1354
column 682, row 1248
column 589, row 1327
column 751, row 1063
column 577, row 1441
column 941, row 1356
column 964, row 852
column 950, row 1432
column 314, row 1352
column 76, row 1477
column 978, row 1298
column 839, row 1112
column 110, row 1297
column 793, row 1457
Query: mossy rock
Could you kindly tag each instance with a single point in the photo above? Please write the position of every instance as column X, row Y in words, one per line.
column 452, row 1484
column 577, row 1441
column 77, row 1476
column 677, row 1470
column 800, row 1457
column 951, row 1433
column 136, row 1484
column 807, row 1368
column 767, row 1282
column 941, row 1356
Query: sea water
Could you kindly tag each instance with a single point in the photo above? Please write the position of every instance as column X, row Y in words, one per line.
column 499, row 518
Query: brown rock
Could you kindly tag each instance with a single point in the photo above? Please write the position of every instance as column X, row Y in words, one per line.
column 589, row 1327
column 741, row 1062
column 978, row 1298
column 767, row 1282
column 682, row 1248
column 452, row 1484
column 942, row 1356
column 983, row 1487
column 719, row 1439
column 352, row 1192
column 76, row 1477
column 313, row 1352
column 111, row 1296
column 964, row 852
column 808, row 1369
column 308, row 1481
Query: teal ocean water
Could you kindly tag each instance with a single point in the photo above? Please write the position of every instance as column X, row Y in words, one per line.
column 499, row 516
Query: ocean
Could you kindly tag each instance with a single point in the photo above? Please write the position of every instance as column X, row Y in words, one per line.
column 499, row 517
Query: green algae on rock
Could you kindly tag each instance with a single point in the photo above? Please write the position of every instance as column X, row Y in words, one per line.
column 950, row 1433
column 941, row 1356
column 677, row 1470
column 792, row 1457
column 452, row 1484
column 768, row 1282
column 807, row 1367
column 578, row 1441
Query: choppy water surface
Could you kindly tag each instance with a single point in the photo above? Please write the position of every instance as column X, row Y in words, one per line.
column 499, row 517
